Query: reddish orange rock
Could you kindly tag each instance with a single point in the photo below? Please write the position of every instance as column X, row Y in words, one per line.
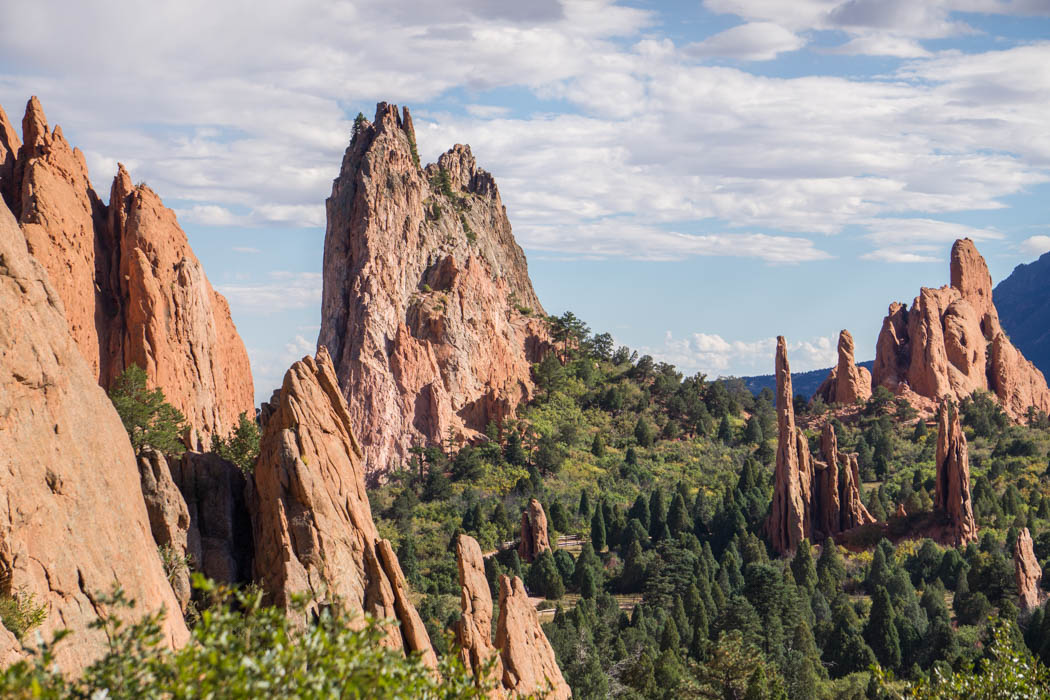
column 1027, row 573
column 427, row 306
column 132, row 288
column 940, row 347
column 788, row 523
column 474, row 628
column 312, row 522
column 534, row 536
column 529, row 664
column 952, row 490
column 846, row 383
column 73, row 520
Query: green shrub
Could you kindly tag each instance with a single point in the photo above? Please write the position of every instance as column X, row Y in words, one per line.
column 19, row 612
column 242, row 445
column 146, row 415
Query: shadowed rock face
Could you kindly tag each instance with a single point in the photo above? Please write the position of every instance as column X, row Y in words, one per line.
column 529, row 665
column 940, row 347
column 73, row 519
column 846, row 383
column 312, row 522
column 474, row 628
column 952, row 492
column 1027, row 573
column 425, row 295
column 534, row 535
column 132, row 288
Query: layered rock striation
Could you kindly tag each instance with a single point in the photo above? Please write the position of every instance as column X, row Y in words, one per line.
column 812, row 498
column 952, row 486
column 950, row 343
column 73, row 520
column 529, row 664
column 312, row 522
column 1027, row 573
column 133, row 290
column 427, row 306
column 534, row 535
column 847, row 382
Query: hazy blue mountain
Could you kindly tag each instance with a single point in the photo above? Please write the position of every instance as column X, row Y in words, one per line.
column 1023, row 301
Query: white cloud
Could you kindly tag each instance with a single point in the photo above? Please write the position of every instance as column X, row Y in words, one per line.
column 911, row 240
column 1036, row 245
column 882, row 45
column 715, row 356
column 283, row 291
column 753, row 41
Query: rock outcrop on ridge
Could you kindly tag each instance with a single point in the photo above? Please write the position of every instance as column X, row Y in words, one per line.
column 810, row 499
column 534, row 535
column 529, row 664
column 474, row 628
column 133, row 290
column 940, row 346
column 952, row 486
column 72, row 520
column 846, row 383
column 312, row 522
column 1027, row 573
column 427, row 306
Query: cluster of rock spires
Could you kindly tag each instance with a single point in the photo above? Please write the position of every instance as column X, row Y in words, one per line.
column 132, row 289
column 427, row 306
column 950, row 343
column 810, row 499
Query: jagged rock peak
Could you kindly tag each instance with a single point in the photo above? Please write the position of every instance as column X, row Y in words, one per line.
column 529, row 664
column 846, row 383
column 534, row 535
column 74, row 520
column 952, row 487
column 940, row 346
column 787, row 525
column 1027, row 573
column 311, row 519
column 427, row 305
column 133, row 290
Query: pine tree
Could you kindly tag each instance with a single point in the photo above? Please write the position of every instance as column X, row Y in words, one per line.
column 598, row 530
column 598, row 446
column 148, row 418
column 584, row 509
column 881, row 630
column 657, row 515
column 725, row 431
column 803, row 568
column 678, row 517
column 640, row 510
column 643, row 432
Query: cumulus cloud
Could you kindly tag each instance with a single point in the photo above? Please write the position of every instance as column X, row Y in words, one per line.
column 753, row 41
column 716, row 356
column 1036, row 245
column 911, row 240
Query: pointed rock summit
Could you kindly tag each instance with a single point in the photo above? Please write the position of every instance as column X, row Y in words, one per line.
column 427, row 306
column 312, row 522
column 73, row 520
column 949, row 344
column 1027, row 573
column 787, row 525
column 846, row 383
column 534, row 535
column 133, row 290
column 952, row 490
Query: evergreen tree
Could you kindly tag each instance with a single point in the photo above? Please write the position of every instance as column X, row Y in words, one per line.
column 149, row 419
column 513, row 452
column 643, row 432
column 803, row 568
column 725, row 431
column 544, row 578
column 881, row 630
column 640, row 511
column 598, row 530
column 598, row 446
column 584, row 509
column 657, row 515
column 753, row 430
column 678, row 516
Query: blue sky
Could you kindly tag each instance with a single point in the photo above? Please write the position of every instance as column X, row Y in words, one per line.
column 694, row 177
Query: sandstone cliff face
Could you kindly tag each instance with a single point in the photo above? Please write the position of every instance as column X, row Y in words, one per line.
column 529, row 665
column 534, row 535
column 846, row 383
column 169, row 519
column 312, row 523
column 952, row 490
column 73, row 519
column 787, row 525
column 1027, row 573
column 939, row 348
column 132, row 288
column 424, row 292
column 474, row 628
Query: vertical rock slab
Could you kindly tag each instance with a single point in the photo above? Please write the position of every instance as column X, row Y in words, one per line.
column 534, row 535
column 169, row 519
column 427, row 306
column 1027, row 573
column 829, row 516
column 853, row 512
column 952, row 491
column 474, row 628
column 311, row 519
column 787, row 524
column 72, row 520
column 529, row 664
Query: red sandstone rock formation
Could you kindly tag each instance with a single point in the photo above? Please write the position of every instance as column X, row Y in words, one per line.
column 474, row 628
column 169, row 519
column 1027, row 573
column 952, row 491
column 312, row 522
column 427, row 306
column 851, row 510
column 534, row 537
column 529, row 665
column 72, row 520
column 788, row 523
column 846, row 383
column 939, row 348
column 132, row 288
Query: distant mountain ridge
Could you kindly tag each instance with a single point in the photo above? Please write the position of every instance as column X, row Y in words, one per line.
column 1023, row 300
column 805, row 383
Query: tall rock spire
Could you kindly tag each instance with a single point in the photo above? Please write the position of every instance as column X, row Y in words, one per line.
column 846, row 383
column 787, row 525
column 952, row 491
